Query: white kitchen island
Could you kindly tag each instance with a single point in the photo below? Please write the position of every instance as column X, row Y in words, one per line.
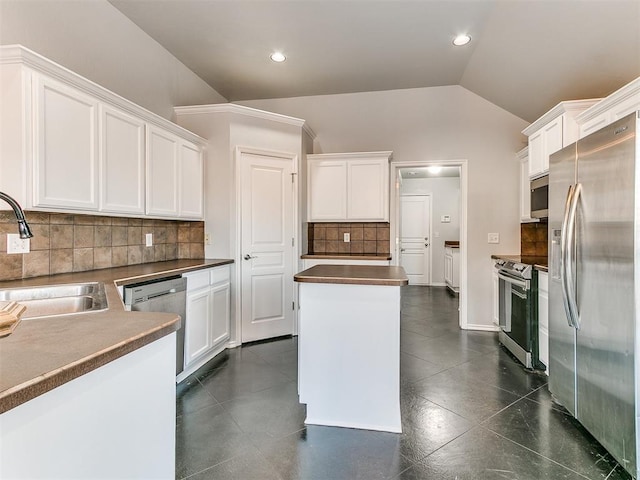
column 349, row 345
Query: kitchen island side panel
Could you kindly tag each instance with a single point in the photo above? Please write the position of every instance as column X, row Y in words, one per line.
column 349, row 352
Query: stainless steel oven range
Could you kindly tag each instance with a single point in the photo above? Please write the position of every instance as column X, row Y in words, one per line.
column 517, row 311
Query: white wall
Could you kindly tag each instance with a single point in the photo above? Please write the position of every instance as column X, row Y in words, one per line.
column 92, row 38
column 424, row 124
column 445, row 200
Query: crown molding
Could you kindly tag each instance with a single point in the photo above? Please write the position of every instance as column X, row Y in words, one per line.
column 350, row 155
column 246, row 111
column 522, row 154
column 19, row 55
column 574, row 107
column 622, row 94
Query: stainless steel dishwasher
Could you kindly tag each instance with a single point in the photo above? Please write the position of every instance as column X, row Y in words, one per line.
column 168, row 294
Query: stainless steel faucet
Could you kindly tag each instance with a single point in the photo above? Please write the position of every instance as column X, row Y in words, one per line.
column 23, row 226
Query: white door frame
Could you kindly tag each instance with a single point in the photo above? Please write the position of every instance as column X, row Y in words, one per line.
column 430, row 254
column 237, row 245
column 395, row 214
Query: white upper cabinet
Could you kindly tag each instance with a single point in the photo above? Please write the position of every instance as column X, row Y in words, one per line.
column 617, row 105
column 368, row 189
column 69, row 145
column 553, row 131
column 174, row 176
column 66, row 146
column 327, row 189
column 348, row 187
column 162, row 173
column 191, row 173
column 122, row 161
column 525, row 185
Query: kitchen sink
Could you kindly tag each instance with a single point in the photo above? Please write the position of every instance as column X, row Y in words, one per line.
column 53, row 300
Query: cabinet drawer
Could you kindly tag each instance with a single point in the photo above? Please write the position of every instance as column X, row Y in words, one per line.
column 196, row 280
column 220, row 275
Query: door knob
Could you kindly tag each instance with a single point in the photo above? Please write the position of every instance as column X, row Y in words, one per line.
column 426, row 244
column 402, row 249
column 248, row 257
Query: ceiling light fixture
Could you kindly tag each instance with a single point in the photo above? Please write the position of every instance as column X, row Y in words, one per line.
column 435, row 169
column 278, row 57
column 461, row 40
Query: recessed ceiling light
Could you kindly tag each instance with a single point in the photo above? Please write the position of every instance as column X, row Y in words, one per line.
column 434, row 169
column 461, row 40
column 278, row 57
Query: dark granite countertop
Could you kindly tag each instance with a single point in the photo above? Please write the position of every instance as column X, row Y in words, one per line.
column 354, row 275
column 42, row 354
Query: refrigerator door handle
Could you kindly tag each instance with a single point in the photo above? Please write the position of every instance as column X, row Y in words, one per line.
column 571, row 244
column 563, row 256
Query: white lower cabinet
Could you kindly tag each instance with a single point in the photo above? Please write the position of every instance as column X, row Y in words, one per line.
column 452, row 268
column 208, row 316
column 543, row 318
column 116, row 421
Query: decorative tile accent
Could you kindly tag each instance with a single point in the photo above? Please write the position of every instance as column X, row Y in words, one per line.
column 366, row 238
column 65, row 243
column 533, row 239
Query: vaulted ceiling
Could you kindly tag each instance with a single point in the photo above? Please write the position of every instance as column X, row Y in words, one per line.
column 525, row 55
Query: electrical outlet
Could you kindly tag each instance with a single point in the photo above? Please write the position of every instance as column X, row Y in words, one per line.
column 207, row 239
column 493, row 238
column 148, row 239
column 15, row 244
column 347, row 237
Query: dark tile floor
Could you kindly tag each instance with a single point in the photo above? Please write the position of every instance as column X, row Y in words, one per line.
column 469, row 411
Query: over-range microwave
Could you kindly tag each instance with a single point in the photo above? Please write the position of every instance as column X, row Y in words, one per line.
column 540, row 197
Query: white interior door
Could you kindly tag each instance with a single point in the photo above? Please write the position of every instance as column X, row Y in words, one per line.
column 267, row 232
column 415, row 238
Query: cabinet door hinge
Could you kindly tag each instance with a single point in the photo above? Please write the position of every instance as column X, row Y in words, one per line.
column 293, row 176
column 293, row 305
column 293, row 242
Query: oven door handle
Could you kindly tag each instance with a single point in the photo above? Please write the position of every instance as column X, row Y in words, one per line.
column 520, row 283
column 563, row 256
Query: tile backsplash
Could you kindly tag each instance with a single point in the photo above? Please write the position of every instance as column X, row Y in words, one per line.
column 74, row 243
column 366, row 238
column 533, row 239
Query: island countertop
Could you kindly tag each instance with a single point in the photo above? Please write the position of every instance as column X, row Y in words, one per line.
column 354, row 275
column 42, row 354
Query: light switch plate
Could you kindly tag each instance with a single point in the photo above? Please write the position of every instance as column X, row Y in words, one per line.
column 149, row 239
column 445, row 219
column 15, row 244
column 493, row 238
column 347, row 237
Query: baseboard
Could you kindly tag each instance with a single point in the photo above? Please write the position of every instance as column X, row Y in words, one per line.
column 482, row 328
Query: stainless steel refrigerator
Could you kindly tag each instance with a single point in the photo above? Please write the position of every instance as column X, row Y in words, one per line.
column 594, row 245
